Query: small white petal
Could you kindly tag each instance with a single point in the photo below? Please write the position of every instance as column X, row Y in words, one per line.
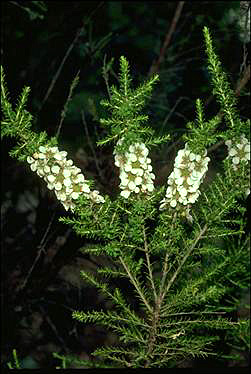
column 69, row 162
column 138, row 180
column 80, row 178
column 173, row 203
column 236, row 160
column 50, row 186
column 54, row 149
column 232, row 152
column 55, row 169
column 42, row 149
column 51, row 178
column 85, row 188
column 30, row 160
column 66, row 173
column 132, row 157
column 63, row 154
column 58, row 186
column 192, row 156
column 57, row 156
column 128, row 167
column 67, row 182
column 34, row 166
column 150, row 187
column 131, row 185
column 40, row 172
column 125, row 193
column 75, row 195
column 62, row 196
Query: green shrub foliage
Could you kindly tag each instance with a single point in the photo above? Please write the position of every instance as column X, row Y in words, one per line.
column 182, row 265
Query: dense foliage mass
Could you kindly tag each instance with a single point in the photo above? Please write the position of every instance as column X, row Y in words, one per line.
column 176, row 253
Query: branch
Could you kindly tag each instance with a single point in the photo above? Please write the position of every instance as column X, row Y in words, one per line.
column 155, row 66
column 149, row 264
column 135, row 283
column 183, row 261
column 55, row 78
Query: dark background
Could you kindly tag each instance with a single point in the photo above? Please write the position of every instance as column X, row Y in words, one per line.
column 40, row 256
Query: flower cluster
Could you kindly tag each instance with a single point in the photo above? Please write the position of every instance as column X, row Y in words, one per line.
column 62, row 176
column 135, row 170
column 238, row 152
column 184, row 181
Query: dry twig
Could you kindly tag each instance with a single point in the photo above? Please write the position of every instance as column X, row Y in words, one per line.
column 155, row 66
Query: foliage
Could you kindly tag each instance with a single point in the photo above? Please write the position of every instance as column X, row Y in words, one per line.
column 180, row 272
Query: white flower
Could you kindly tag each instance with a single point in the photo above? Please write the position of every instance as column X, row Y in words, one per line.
column 75, row 195
column 232, row 152
column 247, row 152
column 236, row 160
column 131, row 157
column 50, row 186
column 173, row 203
column 66, row 173
column 61, row 195
column 128, row 167
column 182, row 191
column 47, row 169
column 51, row 178
column 138, row 181
column 67, row 182
column 69, row 163
column 42, row 149
column 30, row 160
column 55, row 169
column 131, row 185
column 40, row 171
column 80, row 178
column 150, row 187
column 34, row 166
column 186, row 163
column 94, row 195
column 58, row 186
column 58, row 156
column 85, row 188
column 125, row 193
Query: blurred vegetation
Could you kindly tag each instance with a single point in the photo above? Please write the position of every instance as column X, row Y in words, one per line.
column 44, row 44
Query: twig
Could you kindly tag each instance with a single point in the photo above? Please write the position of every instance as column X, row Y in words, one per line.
column 170, row 283
column 135, row 283
column 162, row 293
column 155, row 66
column 55, row 78
column 149, row 264
column 63, row 114
column 40, row 250
column 91, row 146
column 243, row 81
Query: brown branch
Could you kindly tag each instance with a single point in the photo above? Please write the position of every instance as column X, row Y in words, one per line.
column 155, row 66
column 243, row 81
column 55, row 78
column 100, row 172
